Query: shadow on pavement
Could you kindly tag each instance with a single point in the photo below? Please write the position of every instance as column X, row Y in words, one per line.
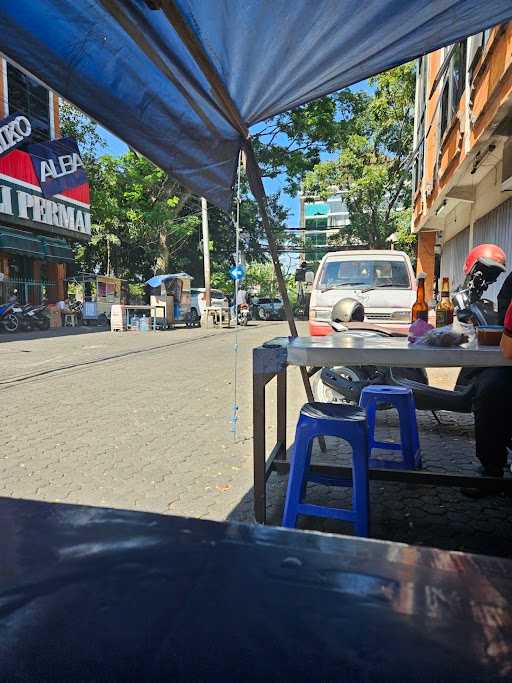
column 440, row 517
column 46, row 334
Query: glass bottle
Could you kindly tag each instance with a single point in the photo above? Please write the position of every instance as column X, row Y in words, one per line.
column 444, row 309
column 420, row 306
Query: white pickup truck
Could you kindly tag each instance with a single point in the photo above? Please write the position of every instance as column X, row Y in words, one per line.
column 383, row 281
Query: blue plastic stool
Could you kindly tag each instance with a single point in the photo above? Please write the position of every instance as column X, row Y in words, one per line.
column 328, row 419
column 403, row 400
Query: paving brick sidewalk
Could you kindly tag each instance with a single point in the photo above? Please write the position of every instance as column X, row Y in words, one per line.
column 143, row 422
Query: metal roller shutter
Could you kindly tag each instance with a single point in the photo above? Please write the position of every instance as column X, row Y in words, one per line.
column 453, row 256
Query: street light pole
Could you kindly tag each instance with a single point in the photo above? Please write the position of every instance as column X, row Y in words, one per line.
column 206, row 250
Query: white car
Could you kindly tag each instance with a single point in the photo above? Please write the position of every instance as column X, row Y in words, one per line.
column 383, row 281
column 198, row 300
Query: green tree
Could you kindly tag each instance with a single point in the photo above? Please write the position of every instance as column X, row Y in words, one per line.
column 85, row 131
column 292, row 143
column 372, row 167
column 262, row 274
column 149, row 213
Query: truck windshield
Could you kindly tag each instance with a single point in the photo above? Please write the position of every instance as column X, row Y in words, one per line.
column 366, row 274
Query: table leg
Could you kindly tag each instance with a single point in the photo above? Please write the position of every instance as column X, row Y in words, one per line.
column 281, row 412
column 258, row 426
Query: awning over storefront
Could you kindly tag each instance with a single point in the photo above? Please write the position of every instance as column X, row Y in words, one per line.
column 35, row 246
column 58, row 250
column 21, row 243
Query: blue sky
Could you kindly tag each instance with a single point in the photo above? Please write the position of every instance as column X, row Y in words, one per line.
column 116, row 147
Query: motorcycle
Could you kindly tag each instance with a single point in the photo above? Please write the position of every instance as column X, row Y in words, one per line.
column 37, row 317
column 9, row 320
column 76, row 307
column 25, row 317
column 243, row 314
column 345, row 384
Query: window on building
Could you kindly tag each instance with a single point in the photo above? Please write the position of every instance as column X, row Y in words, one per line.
column 30, row 98
column 485, row 36
column 454, row 84
column 445, row 105
column 458, row 74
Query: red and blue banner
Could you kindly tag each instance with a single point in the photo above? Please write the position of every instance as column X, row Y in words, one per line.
column 14, row 131
column 58, row 165
column 22, row 204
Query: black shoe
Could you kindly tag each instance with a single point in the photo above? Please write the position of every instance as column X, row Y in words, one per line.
column 474, row 492
column 490, row 471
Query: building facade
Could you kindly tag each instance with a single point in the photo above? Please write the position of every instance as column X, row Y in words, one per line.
column 319, row 221
column 37, row 227
column 462, row 160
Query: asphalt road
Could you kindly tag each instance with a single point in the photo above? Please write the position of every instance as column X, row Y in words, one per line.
column 143, row 421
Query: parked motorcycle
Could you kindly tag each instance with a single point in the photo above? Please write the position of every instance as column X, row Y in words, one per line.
column 9, row 321
column 76, row 307
column 24, row 319
column 243, row 314
column 345, row 384
column 37, row 316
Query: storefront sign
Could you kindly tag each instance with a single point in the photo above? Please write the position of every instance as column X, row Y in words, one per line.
column 14, row 131
column 33, row 208
column 22, row 204
column 58, row 165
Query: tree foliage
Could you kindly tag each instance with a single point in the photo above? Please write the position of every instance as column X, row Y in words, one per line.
column 372, row 167
column 292, row 143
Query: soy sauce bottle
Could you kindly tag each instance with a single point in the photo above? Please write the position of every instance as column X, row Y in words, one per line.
column 420, row 306
column 444, row 309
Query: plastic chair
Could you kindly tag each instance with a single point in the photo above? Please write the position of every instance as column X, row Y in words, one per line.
column 403, row 400
column 69, row 320
column 328, row 419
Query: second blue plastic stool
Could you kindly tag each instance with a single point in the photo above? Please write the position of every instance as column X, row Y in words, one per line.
column 403, row 400
column 329, row 419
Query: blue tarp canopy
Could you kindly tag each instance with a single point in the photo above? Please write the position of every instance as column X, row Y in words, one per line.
column 123, row 63
column 157, row 280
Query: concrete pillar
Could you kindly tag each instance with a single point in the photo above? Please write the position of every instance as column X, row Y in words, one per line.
column 4, row 264
column 426, row 259
column 61, row 285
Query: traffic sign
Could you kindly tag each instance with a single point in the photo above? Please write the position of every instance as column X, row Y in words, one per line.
column 237, row 272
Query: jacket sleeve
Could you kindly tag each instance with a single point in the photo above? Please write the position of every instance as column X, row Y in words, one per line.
column 508, row 321
column 504, row 298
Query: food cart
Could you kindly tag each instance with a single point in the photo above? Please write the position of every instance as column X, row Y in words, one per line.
column 97, row 294
column 171, row 295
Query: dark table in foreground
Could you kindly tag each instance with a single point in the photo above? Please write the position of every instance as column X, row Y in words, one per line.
column 272, row 360
column 91, row 594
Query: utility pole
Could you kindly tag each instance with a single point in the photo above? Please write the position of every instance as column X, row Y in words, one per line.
column 206, row 250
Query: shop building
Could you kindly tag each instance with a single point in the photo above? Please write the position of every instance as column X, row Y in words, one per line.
column 37, row 231
column 462, row 168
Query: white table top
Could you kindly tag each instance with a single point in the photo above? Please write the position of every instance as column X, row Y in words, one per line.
column 342, row 349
